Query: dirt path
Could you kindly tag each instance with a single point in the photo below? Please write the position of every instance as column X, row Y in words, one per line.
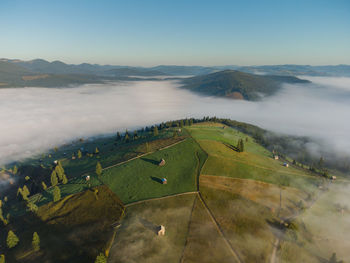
column 274, row 251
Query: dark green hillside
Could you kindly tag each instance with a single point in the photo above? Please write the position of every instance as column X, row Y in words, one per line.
column 15, row 75
column 123, row 72
column 239, row 85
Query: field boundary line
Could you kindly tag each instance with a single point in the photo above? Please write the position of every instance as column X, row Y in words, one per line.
column 159, row 198
column 144, row 154
column 188, row 230
column 231, row 249
column 233, row 252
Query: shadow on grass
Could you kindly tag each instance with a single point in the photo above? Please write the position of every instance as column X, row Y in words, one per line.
column 156, row 179
column 231, row 146
column 150, row 161
column 149, row 225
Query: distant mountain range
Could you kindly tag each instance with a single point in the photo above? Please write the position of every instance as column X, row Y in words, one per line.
column 228, row 81
column 238, row 85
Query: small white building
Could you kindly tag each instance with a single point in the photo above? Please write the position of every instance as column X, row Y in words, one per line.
column 275, row 157
column 333, row 177
column 87, row 178
column 286, row 165
column 161, row 231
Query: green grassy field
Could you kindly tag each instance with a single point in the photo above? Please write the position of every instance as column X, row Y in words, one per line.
column 74, row 229
column 254, row 163
column 140, row 179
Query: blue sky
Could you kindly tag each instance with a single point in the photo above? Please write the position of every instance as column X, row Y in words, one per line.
column 147, row 32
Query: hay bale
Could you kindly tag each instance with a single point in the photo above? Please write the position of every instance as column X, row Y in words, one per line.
column 161, row 230
column 162, row 162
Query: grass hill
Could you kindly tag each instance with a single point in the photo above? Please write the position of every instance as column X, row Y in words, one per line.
column 15, row 75
column 219, row 205
column 238, row 85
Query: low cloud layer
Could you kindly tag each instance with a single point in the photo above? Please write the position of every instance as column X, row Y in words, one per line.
column 36, row 119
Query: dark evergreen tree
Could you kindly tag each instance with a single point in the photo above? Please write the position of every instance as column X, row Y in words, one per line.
column 119, row 137
column 98, row 169
column 56, row 194
column 36, row 242
column 155, row 131
column 12, row 240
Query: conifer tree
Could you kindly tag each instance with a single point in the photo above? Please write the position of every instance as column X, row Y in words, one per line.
column 119, row 137
column 97, row 151
column 64, row 179
column 181, row 123
column 79, row 154
column 155, row 131
column 54, row 180
column 12, row 240
column 101, row 258
column 26, row 191
column 44, row 185
column 2, row 258
column 14, row 170
column 59, row 172
column 191, row 122
column 36, row 242
column 126, row 137
column 98, row 169
column 56, row 194
column 187, row 123
column 135, row 135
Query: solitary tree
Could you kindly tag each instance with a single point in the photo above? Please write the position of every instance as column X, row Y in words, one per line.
column 187, row 122
column 36, row 242
column 101, row 258
column 126, row 137
column 155, row 131
column 79, row 154
column 118, row 137
column 12, row 240
column 14, row 170
column 135, row 135
column 54, row 180
column 240, row 145
column 64, row 179
column 98, row 169
column 56, row 194
column 97, row 151
column 333, row 259
column 181, row 123
column 59, row 172
column 191, row 122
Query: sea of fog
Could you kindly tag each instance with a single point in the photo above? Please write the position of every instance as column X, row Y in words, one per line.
column 33, row 120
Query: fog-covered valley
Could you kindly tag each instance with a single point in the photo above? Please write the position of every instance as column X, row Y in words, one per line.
column 36, row 119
